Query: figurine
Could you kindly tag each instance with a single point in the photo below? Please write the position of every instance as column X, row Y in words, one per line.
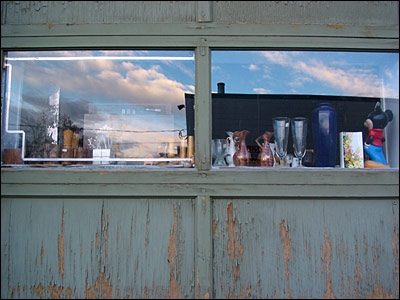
column 265, row 158
column 376, row 122
column 242, row 155
column 230, row 149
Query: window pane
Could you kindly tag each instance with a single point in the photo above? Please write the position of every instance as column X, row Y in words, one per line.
column 100, row 107
column 250, row 88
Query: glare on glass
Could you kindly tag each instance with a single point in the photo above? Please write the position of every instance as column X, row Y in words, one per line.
column 299, row 133
column 281, row 133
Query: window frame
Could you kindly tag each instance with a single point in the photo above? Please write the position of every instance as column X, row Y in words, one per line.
column 202, row 40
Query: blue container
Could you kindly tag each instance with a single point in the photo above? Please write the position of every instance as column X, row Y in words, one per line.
column 324, row 125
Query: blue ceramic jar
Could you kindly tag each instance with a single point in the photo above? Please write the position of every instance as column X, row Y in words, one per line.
column 324, row 125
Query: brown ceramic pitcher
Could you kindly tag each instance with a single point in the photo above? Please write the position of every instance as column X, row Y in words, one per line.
column 265, row 158
column 242, row 155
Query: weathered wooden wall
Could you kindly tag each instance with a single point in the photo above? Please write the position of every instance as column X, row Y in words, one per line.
column 201, row 233
column 97, row 248
column 371, row 13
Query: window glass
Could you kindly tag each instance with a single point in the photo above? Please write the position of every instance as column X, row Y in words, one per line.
column 97, row 107
column 250, row 88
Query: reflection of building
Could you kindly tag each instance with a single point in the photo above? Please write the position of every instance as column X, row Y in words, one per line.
column 52, row 130
column 254, row 112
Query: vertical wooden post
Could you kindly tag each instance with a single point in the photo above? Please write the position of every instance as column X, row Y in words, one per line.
column 203, row 106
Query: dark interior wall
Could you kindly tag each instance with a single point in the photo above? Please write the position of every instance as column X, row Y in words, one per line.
column 235, row 112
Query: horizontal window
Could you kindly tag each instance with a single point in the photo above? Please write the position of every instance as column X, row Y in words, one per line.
column 97, row 107
column 251, row 88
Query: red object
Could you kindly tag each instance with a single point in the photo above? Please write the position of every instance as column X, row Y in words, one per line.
column 377, row 135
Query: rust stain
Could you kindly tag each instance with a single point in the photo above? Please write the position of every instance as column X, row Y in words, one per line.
column 101, row 289
column 328, row 259
column 206, row 295
column 234, row 247
column 286, row 253
column 295, row 25
column 357, row 279
column 348, row 288
column 68, row 293
column 214, row 228
column 377, row 292
column 39, row 290
column 50, row 25
column 55, row 291
column 248, row 291
column 174, row 288
column 336, row 26
column 61, row 248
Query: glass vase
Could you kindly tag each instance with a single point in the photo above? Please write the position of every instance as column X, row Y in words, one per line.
column 324, row 125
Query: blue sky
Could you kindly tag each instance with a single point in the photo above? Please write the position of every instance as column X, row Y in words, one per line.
column 307, row 72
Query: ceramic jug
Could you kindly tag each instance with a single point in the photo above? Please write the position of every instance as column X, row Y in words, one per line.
column 265, row 158
column 230, row 149
column 242, row 155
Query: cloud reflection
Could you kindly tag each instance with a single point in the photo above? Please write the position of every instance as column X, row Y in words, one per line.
column 95, row 93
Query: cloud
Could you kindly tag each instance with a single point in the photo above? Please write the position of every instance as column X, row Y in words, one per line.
column 299, row 81
column 389, row 73
column 262, row 91
column 253, row 67
column 111, row 81
column 279, row 57
column 353, row 81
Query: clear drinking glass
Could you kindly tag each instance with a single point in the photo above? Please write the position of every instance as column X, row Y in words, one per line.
column 219, row 151
column 281, row 134
column 299, row 133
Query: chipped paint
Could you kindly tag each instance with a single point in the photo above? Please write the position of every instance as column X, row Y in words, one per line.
column 101, row 289
column 286, row 253
column 234, row 247
column 214, row 228
column 336, row 26
column 174, row 287
column 328, row 260
column 261, row 255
